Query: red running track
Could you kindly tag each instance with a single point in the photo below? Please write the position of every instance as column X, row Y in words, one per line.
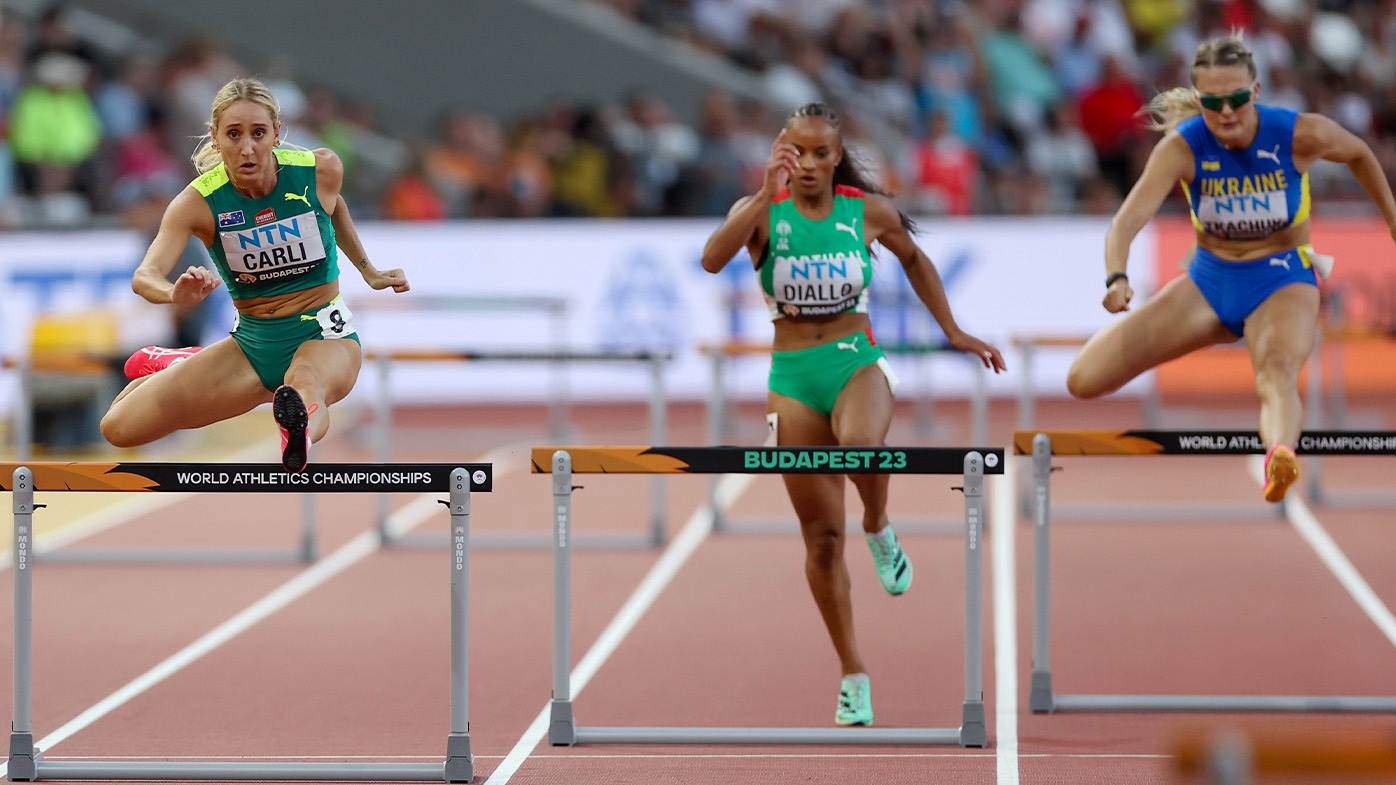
column 357, row 667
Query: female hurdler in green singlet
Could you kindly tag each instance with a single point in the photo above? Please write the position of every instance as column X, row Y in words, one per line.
column 808, row 230
column 271, row 219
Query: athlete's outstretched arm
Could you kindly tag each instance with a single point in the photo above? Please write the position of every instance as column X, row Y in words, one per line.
column 1319, row 137
column 744, row 221
column 885, row 226
column 181, row 221
column 1170, row 161
column 329, row 179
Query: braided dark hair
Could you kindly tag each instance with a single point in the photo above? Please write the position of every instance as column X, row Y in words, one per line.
column 849, row 170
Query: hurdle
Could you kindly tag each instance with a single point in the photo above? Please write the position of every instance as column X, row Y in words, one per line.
column 26, row 367
column 971, row 463
column 26, row 762
column 719, row 356
column 658, row 415
column 554, row 309
column 1333, row 413
column 1029, row 346
column 305, row 550
column 1045, row 444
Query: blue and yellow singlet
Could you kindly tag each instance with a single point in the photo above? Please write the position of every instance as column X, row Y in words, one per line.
column 1246, row 194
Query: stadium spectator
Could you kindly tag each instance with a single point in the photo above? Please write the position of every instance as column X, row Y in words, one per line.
column 998, row 74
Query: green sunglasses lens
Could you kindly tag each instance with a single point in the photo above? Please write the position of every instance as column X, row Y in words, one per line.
column 1214, row 103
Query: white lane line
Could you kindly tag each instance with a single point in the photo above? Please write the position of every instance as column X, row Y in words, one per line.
column 1304, row 520
column 400, row 522
column 1004, row 514
column 694, row 532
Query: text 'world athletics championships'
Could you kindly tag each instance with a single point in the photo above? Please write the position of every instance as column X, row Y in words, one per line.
column 306, row 478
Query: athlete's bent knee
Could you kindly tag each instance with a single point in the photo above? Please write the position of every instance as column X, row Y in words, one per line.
column 115, row 431
column 1083, row 384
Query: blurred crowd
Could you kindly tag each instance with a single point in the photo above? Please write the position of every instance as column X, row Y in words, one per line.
column 1031, row 106
column 987, row 108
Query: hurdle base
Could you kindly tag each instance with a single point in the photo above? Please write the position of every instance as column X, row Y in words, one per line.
column 973, row 730
column 787, row 525
column 523, row 541
column 237, row 770
column 1040, row 693
column 1237, row 703
column 460, row 764
column 562, row 730
column 1181, row 511
column 761, row 736
column 1352, row 497
column 22, row 755
column 136, row 555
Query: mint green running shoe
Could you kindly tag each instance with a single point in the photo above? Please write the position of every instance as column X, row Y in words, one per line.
column 855, row 701
column 893, row 568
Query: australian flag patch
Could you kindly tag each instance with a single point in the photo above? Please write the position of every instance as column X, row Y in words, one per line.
column 234, row 218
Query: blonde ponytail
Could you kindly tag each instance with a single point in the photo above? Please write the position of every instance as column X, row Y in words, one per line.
column 1171, row 107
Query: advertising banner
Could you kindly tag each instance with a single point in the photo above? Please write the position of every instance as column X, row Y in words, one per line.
column 599, row 286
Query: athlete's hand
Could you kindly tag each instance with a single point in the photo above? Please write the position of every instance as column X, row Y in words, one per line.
column 194, row 285
column 784, row 160
column 1117, row 297
column 987, row 354
column 382, row 279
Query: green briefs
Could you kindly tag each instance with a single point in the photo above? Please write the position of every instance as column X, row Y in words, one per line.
column 271, row 343
column 815, row 376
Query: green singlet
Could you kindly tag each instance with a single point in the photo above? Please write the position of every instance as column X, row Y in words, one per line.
column 819, row 269
column 282, row 242
column 816, row 268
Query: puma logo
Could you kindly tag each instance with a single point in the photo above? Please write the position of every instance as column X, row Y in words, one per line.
column 1275, row 261
column 304, row 196
column 843, row 227
column 1273, row 156
column 849, row 345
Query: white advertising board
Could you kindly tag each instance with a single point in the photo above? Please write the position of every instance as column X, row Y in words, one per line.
column 624, row 285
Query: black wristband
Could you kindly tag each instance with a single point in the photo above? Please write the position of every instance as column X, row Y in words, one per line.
column 1113, row 277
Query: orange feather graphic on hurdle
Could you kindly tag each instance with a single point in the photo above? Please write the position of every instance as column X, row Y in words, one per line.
column 1088, row 443
column 610, row 460
column 77, row 477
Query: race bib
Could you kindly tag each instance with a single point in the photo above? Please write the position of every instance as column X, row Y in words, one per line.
column 285, row 248
column 823, row 286
column 336, row 320
column 1248, row 216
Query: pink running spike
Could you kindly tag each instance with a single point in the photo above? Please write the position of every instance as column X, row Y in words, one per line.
column 292, row 418
column 150, row 359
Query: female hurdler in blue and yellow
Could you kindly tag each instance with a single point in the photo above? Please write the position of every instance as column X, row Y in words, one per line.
column 808, row 230
column 271, row 219
column 1243, row 169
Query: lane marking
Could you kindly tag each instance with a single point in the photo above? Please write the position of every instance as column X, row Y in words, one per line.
column 729, row 488
column 1004, row 522
column 404, row 520
column 1304, row 520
